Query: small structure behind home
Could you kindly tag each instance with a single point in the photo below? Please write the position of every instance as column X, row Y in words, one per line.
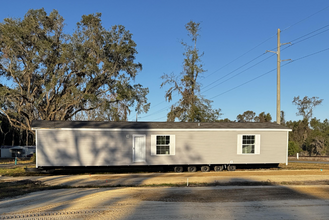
column 172, row 144
column 16, row 151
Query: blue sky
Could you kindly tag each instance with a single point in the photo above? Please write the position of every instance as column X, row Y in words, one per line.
column 233, row 34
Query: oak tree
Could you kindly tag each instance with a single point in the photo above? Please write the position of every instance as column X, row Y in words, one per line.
column 50, row 75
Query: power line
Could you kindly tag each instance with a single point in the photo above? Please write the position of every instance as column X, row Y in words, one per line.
column 160, row 118
column 238, row 73
column 266, row 58
column 304, row 19
column 161, row 110
column 312, row 54
column 244, row 83
column 240, row 57
column 264, row 53
column 307, row 37
column 234, row 70
column 311, row 36
column 270, row 72
column 311, row 32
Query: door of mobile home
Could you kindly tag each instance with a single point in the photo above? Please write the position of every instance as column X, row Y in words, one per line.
column 139, row 148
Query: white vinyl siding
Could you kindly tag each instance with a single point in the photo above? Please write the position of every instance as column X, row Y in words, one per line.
column 248, row 144
column 162, row 144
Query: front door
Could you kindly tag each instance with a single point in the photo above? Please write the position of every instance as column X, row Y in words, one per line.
column 139, row 148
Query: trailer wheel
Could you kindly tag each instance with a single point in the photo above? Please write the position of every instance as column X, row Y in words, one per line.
column 178, row 169
column 231, row 168
column 191, row 169
column 218, row 168
column 205, row 169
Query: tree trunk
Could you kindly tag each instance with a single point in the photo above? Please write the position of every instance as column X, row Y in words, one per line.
column 20, row 136
column 33, row 139
column 27, row 138
column 4, row 138
column 13, row 138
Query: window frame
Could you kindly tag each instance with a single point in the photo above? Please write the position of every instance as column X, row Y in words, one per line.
column 162, row 145
column 171, row 144
column 256, row 144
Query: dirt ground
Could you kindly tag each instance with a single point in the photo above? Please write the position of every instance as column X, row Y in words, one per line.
column 231, row 198
column 275, row 177
column 224, row 202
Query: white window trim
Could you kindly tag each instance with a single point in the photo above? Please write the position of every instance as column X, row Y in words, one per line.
column 172, row 145
column 257, row 144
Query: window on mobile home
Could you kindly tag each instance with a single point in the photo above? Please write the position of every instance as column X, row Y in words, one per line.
column 162, row 145
column 249, row 144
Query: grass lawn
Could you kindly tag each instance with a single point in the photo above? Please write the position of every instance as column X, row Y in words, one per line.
column 8, row 167
column 15, row 171
column 304, row 166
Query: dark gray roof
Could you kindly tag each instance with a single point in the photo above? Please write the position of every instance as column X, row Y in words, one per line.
column 155, row 125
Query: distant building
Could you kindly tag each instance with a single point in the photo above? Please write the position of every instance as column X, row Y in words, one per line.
column 16, row 151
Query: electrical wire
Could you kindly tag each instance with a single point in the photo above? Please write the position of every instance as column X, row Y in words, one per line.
column 238, row 73
column 304, row 19
column 311, row 32
column 270, row 72
column 266, row 58
column 161, row 110
column 240, row 57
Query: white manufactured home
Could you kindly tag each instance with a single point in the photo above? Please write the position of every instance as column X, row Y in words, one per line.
column 177, row 145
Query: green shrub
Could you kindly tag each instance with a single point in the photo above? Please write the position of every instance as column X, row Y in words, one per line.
column 293, row 148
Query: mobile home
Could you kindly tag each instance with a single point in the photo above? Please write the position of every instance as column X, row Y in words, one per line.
column 177, row 145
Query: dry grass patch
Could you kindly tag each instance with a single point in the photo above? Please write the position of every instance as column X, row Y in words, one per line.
column 14, row 170
column 19, row 161
column 17, row 188
column 304, row 166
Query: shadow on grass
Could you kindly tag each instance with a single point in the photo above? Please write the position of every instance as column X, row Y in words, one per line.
column 17, row 188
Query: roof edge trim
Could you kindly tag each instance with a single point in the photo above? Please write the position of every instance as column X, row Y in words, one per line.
column 166, row 129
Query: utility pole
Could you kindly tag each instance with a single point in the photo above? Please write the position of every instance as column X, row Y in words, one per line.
column 278, row 93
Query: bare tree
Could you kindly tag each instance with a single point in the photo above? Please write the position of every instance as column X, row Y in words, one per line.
column 306, row 106
column 192, row 107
